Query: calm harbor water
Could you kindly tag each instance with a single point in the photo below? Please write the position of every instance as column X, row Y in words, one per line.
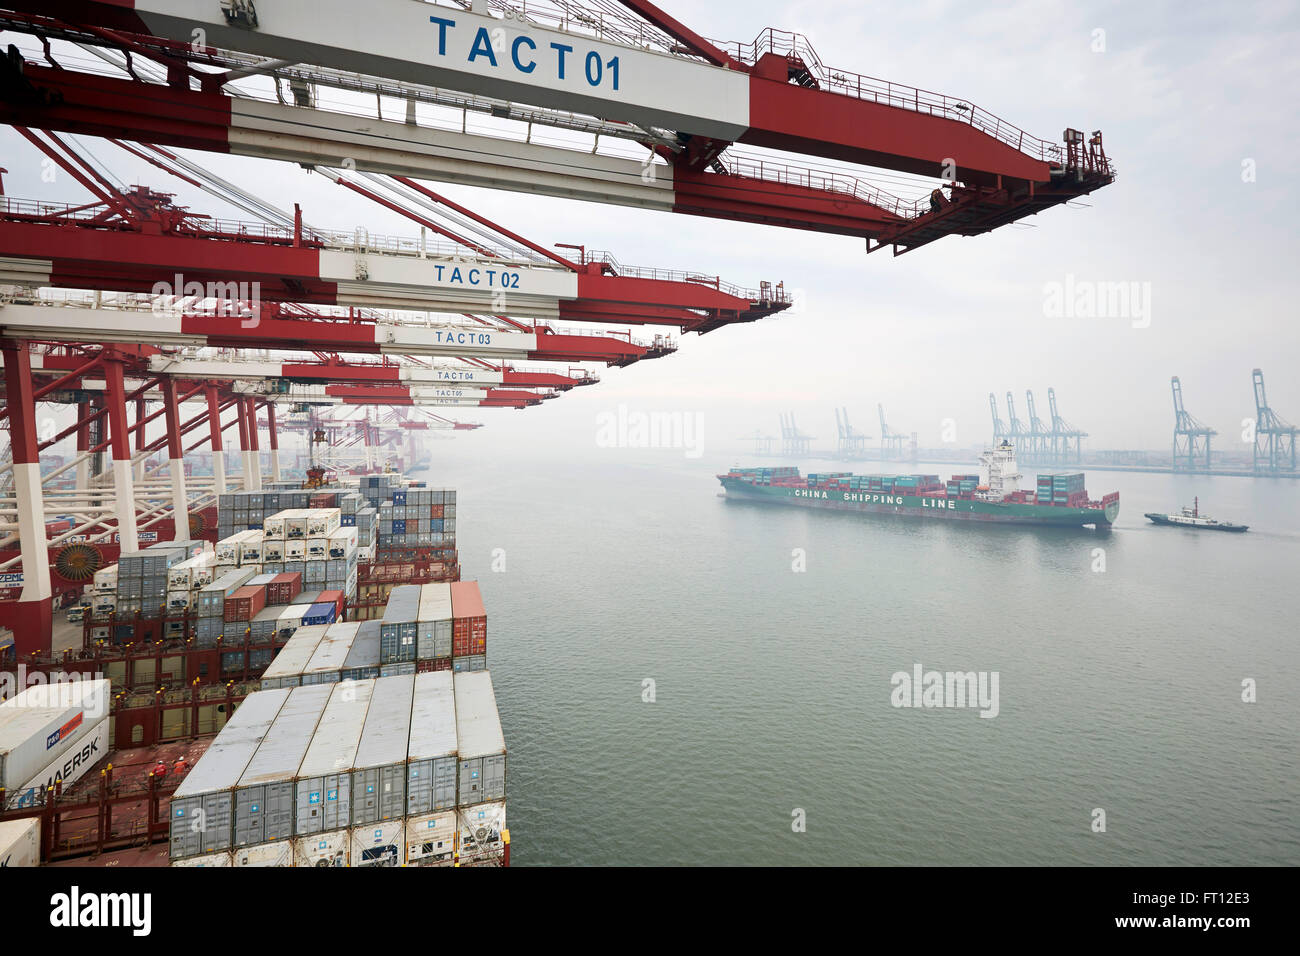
column 1118, row 689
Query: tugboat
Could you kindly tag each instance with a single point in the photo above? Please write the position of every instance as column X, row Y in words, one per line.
column 1192, row 518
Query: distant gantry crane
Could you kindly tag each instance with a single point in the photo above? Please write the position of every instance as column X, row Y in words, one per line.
column 999, row 427
column 1016, row 430
column 1037, row 442
column 794, row 443
column 763, row 444
column 891, row 443
column 852, row 443
column 1274, row 436
column 1191, row 436
column 1039, row 435
column 1063, row 433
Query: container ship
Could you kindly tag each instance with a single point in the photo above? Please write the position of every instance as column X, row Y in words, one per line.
column 994, row 495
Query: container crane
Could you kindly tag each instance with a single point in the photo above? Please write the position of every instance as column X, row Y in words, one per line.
column 1274, row 449
column 1191, row 436
column 891, row 443
column 852, row 443
column 1038, row 434
column 794, row 443
column 1063, row 433
column 638, row 76
column 999, row 428
column 1016, row 428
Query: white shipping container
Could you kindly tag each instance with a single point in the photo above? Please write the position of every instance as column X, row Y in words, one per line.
column 481, row 744
column 482, row 830
column 264, row 796
column 295, row 524
column 342, row 542
column 323, row 789
column 20, row 843
column 211, row 859
column 68, row 767
column 327, row 660
column 106, row 578
column 295, row 549
column 379, row 774
column 323, row 849
column 322, row 521
column 273, row 527
column 286, row 670
column 431, row 750
column 279, row 853
column 316, row 548
column 433, row 626
column 430, row 838
column 201, row 807
column 379, row 844
column 45, row 722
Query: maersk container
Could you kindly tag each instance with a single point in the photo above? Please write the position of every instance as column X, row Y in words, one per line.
column 85, row 751
column 481, row 744
column 431, row 838
column 45, row 723
column 264, row 797
column 433, row 630
column 201, row 808
column 322, row 792
column 379, row 775
column 323, row 849
column 286, row 670
column 362, row 662
column 326, row 662
column 481, row 829
column 431, row 752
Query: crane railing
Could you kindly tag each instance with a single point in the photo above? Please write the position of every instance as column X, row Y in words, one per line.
column 766, row 294
column 796, row 48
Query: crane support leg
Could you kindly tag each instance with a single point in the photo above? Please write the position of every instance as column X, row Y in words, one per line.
column 176, row 461
column 120, row 441
column 31, row 616
column 273, row 440
column 218, row 454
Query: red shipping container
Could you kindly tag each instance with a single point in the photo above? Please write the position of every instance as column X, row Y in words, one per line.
column 435, row 511
column 468, row 620
column 245, row 603
column 425, row 666
column 442, row 664
column 284, row 588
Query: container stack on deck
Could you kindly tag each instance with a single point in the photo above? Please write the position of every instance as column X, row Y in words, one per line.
column 425, row 628
column 388, row 771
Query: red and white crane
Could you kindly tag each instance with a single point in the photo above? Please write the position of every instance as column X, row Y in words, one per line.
column 637, row 77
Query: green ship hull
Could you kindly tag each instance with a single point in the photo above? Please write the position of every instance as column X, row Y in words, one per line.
column 915, row 506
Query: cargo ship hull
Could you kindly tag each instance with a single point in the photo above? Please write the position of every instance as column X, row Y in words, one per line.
column 917, row 506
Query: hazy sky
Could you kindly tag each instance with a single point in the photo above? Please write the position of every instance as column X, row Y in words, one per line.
column 1184, row 94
